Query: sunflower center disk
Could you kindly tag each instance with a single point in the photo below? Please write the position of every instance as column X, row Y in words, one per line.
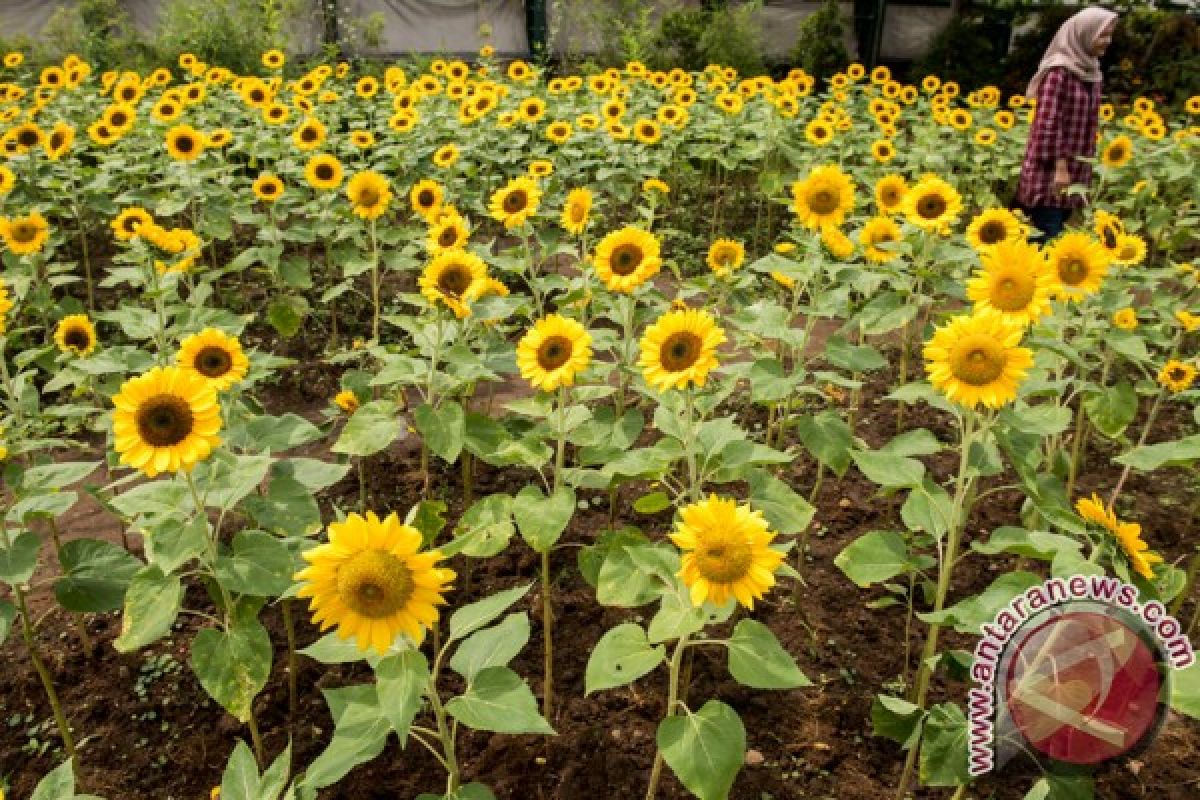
column 977, row 360
column 164, row 421
column 554, row 352
column 680, row 351
column 77, row 339
column 374, row 584
column 448, row 237
column 626, row 259
column 1073, row 271
column 823, row 201
column 724, row 559
column 324, row 172
column 368, row 197
column 425, row 198
column 931, row 207
column 514, row 202
column 23, row 232
column 992, row 232
column 1013, row 292
column 213, row 362
column 454, row 281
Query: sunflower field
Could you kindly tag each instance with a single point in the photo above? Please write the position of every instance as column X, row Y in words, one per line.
column 464, row 431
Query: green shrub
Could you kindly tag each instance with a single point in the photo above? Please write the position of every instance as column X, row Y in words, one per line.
column 232, row 33
column 694, row 38
column 965, row 51
column 821, row 46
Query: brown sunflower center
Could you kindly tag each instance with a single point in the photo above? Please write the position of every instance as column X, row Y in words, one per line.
column 184, row 143
column 1116, row 152
column 269, row 188
column 724, row 559
column 626, row 258
column 213, row 362
column 1177, row 374
column 823, row 201
column 164, row 420
column 57, row 139
column 931, row 206
column 27, row 137
column 448, row 237
column 257, row 95
column 374, row 584
column 23, row 232
column 119, row 118
column 993, row 231
column 368, row 196
column 577, row 212
column 515, row 201
column 680, row 351
column 1073, row 271
column 1109, row 237
column 77, row 339
column 454, row 280
column 554, row 352
column 308, row 134
column 1013, row 291
column 324, row 172
column 425, row 198
column 977, row 360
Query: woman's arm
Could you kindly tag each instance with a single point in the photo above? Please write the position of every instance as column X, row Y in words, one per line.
column 1046, row 140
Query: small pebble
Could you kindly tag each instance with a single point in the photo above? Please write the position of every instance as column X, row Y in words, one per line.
column 754, row 758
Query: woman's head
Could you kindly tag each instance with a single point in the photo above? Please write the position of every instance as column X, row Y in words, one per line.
column 1087, row 33
column 1104, row 38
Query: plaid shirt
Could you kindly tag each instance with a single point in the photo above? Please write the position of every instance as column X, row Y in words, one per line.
column 1064, row 127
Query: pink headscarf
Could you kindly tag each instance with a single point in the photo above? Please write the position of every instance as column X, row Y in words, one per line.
column 1071, row 47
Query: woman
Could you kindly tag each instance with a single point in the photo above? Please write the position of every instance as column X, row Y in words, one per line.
column 1067, row 88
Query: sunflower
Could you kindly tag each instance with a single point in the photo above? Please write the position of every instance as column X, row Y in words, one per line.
column 309, row 134
column 1015, row 282
column 1118, row 152
column 823, row 198
column 1125, row 319
column 59, row 141
column 454, row 278
column 576, row 211
column 655, row 185
column 1078, row 264
column 26, row 235
column 558, row 132
column 26, row 137
column 367, row 87
column 347, row 401
column 932, row 204
column 1189, row 321
column 125, row 226
column 725, row 256
column 679, row 349
column 1131, row 249
column 1141, row 558
column 449, row 232
column 993, row 226
column 541, row 168
column 726, row 552
column 883, row 151
column 7, row 180
column 515, row 202
column 214, row 356
column 647, row 131
column 1092, row 509
column 273, row 59
column 323, row 172
column 837, row 243
column 977, row 358
column 818, row 132
column 445, row 156
column 627, row 258
column 219, row 138
column 1176, row 376
column 553, row 352
column 185, row 143
column 76, row 335
column 1108, row 228
column 425, row 197
column 165, row 420
column 369, row 194
column 268, row 187
column 877, row 231
column 372, row 583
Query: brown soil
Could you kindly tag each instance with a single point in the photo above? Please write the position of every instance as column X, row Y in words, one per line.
column 150, row 732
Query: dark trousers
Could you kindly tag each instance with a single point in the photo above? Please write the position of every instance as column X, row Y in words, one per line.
column 1049, row 221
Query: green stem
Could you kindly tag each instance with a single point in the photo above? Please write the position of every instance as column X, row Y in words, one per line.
column 1112, row 501
column 256, row 739
column 453, row 777
column 548, row 640
column 289, row 627
column 374, row 280
column 672, row 699
column 60, row 718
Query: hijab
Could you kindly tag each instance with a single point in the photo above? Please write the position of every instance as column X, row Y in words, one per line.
column 1071, row 47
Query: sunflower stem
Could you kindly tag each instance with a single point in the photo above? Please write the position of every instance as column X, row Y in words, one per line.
column 1112, row 501
column 289, row 627
column 374, row 280
column 1188, row 585
column 672, row 699
column 260, row 755
column 60, row 718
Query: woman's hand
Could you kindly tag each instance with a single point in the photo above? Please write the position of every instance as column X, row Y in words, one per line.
column 1062, row 175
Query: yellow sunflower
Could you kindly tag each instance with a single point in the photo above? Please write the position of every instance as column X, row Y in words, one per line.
column 323, row 172
column 347, row 401
column 126, row 224
column 454, row 278
column 977, row 358
column 215, row 356
column 450, row 232
column 75, row 334
column 445, row 156
column 7, row 180
column 185, row 143
column 883, row 150
column 823, row 198
column 515, row 202
column 369, row 194
column 1131, row 249
column 273, row 59
column 726, row 552
column 932, row 204
column 309, row 134
column 1015, row 282
column 553, row 352
column 993, row 226
column 541, row 168
column 1141, row 558
column 877, row 231
column 1092, row 509
column 268, row 187
column 1189, row 321
column 26, row 235
column 426, row 197
column 165, row 420
column 1177, row 376
column 655, row 185
column 647, row 131
column 627, row 258
column 1118, row 152
column 889, row 194
column 372, row 582
column 59, row 141
column 1126, row 319
column 725, row 256
column 1078, row 264
column 576, row 211
column 680, row 349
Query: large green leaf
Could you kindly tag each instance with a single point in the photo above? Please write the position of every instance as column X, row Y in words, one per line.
column 888, row 470
column 173, row 541
column 260, row 565
column 56, row 476
column 8, row 613
column 1113, row 409
column 95, row 575
column 1185, row 691
column 233, row 665
column 622, row 655
column 359, row 735
column 498, row 700
column 401, row 681
column 828, row 438
column 541, row 519
column 966, row 616
column 1150, row 457
column 756, row 659
column 443, row 429
column 491, row 647
column 19, row 560
column 151, row 605
column 944, row 747
column 471, row 618
column 371, row 428
column 704, row 749
column 874, row 557
column 785, row 510
column 288, row 508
